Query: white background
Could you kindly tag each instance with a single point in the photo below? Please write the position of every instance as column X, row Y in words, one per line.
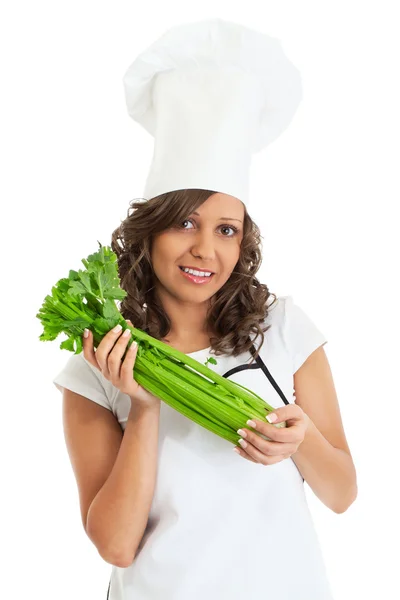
column 325, row 196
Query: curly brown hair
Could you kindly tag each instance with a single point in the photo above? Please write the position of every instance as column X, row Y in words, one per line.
column 235, row 311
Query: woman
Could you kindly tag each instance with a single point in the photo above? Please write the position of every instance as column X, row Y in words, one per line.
column 165, row 501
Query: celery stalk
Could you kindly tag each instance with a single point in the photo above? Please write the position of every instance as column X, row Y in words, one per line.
column 86, row 299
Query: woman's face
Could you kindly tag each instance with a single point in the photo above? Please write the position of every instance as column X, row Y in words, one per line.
column 207, row 241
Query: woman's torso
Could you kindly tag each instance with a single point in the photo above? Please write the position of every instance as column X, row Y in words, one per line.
column 221, row 526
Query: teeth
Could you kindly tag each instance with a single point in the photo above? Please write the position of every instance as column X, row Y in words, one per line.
column 197, row 273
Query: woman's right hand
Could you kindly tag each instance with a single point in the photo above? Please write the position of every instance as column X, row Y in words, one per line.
column 107, row 359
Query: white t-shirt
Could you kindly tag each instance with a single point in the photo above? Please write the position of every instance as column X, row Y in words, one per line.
column 221, row 527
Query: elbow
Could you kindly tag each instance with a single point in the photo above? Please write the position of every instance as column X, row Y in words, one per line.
column 346, row 502
column 121, row 562
column 117, row 560
column 114, row 557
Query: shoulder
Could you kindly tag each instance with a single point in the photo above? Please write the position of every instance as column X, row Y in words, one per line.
column 273, row 323
column 291, row 328
column 300, row 333
column 83, row 378
column 276, row 310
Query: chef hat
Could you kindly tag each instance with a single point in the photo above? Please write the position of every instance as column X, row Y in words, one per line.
column 211, row 93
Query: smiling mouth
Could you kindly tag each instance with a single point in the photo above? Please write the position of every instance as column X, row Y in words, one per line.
column 205, row 271
column 197, row 279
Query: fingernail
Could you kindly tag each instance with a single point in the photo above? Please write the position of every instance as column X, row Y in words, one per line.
column 252, row 424
column 271, row 418
column 117, row 328
column 85, row 332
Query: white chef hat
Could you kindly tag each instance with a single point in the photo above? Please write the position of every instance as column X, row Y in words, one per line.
column 211, row 93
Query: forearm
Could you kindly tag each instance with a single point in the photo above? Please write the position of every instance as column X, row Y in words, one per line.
column 329, row 471
column 118, row 515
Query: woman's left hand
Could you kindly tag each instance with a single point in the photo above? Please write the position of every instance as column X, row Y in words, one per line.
column 285, row 441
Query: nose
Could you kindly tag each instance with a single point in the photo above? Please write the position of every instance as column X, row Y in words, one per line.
column 204, row 245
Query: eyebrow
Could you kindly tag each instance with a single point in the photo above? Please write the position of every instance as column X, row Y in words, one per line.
column 222, row 218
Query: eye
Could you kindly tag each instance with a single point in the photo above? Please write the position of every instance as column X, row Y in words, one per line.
column 186, row 221
column 234, row 229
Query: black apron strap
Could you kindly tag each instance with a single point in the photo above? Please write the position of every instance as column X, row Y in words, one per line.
column 108, row 591
column 272, row 381
column 263, row 366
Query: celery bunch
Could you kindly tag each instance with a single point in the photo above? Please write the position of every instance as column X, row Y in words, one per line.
column 86, row 298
